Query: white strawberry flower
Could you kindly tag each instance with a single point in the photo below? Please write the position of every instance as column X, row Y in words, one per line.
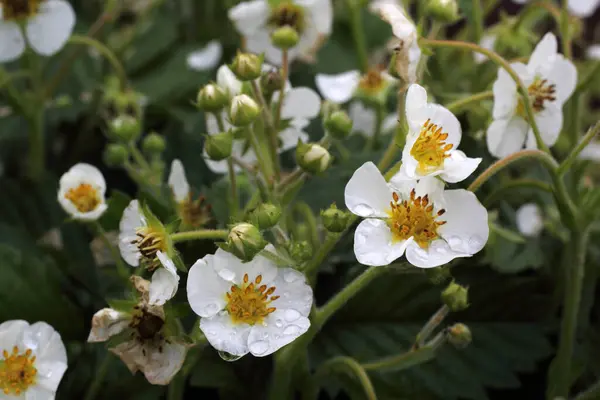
column 205, row 58
column 550, row 79
column 408, row 52
column 44, row 25
column 257, row 19
column 432, row 141
column 529, row 220
column 252, row 307
column 81, row 192
column 432, row 226
column 33, row 360
column 579, row 8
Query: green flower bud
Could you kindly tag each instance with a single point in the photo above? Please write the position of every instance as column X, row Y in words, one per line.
column 512, row 39
column 266, row 216
column 312, row 157
column 115, row 154
column 212, row 98
column 125, row 128
column 456, row 297
column 244, row 110
column 244, row 241
column 271, row 82
column 285, row 38
column 438, row 275
column 219, row 146
column 338, row 124
column 153, row 143
column 300, row 251
column 459, row 335
column 445, row 11
column 247, row 66
column 334, row 219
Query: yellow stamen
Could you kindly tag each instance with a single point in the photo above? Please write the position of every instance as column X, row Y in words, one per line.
column 540, row 91
column 84, row 197
column 430, row 149
column 150, row 241
column 19, row 9
column 248, row 303
column 17, row 371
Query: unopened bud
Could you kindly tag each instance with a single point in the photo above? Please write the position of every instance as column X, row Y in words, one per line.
column 301, row 251
column 245, row 241
column 285, row 38
column 456, row 297
column 125, row 128
column 312, row 157
column 338, row 124
column 445, row 11
column 271, row 82
column 212, row 98
column 115, row 154
column 153, row 143
column 266, row 216
column 219, row 146
column 247, row 66
column 334, row 219
column 244, row 110
column 459, row 335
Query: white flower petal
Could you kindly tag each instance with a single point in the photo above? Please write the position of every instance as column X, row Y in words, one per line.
column 458, row 167
column 293, row 291
column 260, row 42
column 591, row 152
column 505, row 137
column 250, row 16
column 107, row 323
column 205, row 58
column 443, row 118
column 224, row 335
column 437, row 253
column 338, row 88
column 289, row 138
column 11, row 333
column 321, row 14
column 549, row 122
column 389, row 123
column 583, row 8
column 45, row 342
column 593, row 52
column 77, row 175
column 391, row 12
column 231, row 268
column 178, row 182
column 363, row 118
column 12, row 42
column 205, row 289
column 165, row 281
column 301, row 102
column 506, row 97
column 374, row 244
column 487, row 42
column 564, row 77
column 543, row 56
column 529, row 220
column 49, row 30
column 163, row 365
column 367, row 193
column 48, row 377
column 416, row 101
column 130, row 222
column 35, row 393
column 227, row 80
column 466, row 229
column 276, row 332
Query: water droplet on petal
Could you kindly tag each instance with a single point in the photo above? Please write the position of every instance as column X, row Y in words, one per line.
column 291, row 315
column 291, row 330
column 226, row 274
column 475, row 244
column 211, row 309
column 259, row 347
column 454, row 241
column 291, row 275
column 228, row 356
column 276, row 337
column 278, row 323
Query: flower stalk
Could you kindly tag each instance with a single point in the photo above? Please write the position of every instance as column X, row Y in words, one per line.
column 203, row 234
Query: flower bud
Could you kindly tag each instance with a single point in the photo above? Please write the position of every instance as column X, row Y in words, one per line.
column 459, row 335
column 438, row 275
column 271, row 82
column 445, row 11
column 153, row 143
column 266, row 216
column 245, row 241
column 212, row 98
column 115, row 154
column 243, row 111
column 334, row 219
column 125, row 128
column 285, row 38
column 247, row 66
column 312, row 157
column 301, row 251
column 455, row 297
column 338, row 124
column 219, row 146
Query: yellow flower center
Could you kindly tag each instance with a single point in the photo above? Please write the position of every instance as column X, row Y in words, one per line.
column 288, row 14
column 149, row 241
column 84, row 197
column 430, row 149
column 17, row 371
column 249, row 303
column 19, row 9
column 540, row 91
column 414, row 218
column 372, row 81
column 194, row 213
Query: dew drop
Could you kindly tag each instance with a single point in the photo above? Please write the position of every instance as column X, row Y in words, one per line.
column 211, row 308
column 276, row 337
column 291, row 330
column 226, row 274
column 259, row 347
column 228, row 356
column 278, row 323
column 454, row 241
column 291, row 275
column 291, row 315
column 475, row 243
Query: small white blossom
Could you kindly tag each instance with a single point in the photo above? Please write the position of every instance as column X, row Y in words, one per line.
column 529, row 220
column 579, row 8
column 432, row 226
column 550, row 79
column 364, row 119
column 178, row 181
column 487, row 42
column 81, row 192
column 593, row 52
column 252, row 307
column 257, row 19
column 47, row 27
column 432, row 141
column 33, row 360
column 205, row 58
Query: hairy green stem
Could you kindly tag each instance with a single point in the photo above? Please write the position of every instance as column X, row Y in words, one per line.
column 313, row 265
column 589, row 136
column 465, row 101
column 500, row 192
column 431, row 325
column 403, row 361
column 358, row 33
column 379, row 117
column 309, row 218
column 203, row 234
column 272, row 127
column 565, row 33
column 345, row 364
